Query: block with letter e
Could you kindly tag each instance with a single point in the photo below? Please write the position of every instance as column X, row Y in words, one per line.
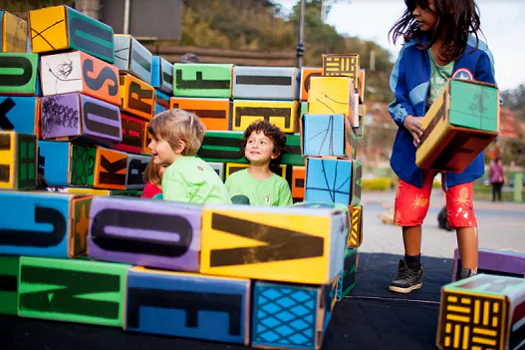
column 283, row 114
column 296, row 245
column 494, row 262
column 202, row 80
column 63, row 28
column 482, row 312
column 9, row 266
column 133, row 134
column 213, row 112
column 18, row 161
column 333, row 95
column 110, row 169
column 264, row 83
column 135, row 172
column 14, row 33
column 137, row 97
column 162, row 75
column 43, row 224
column 132, row 57
column 19, row 114
column 188, row 305
column 19, row 74
column 79, row 72
column 462, row 121
column 72, row 290
column 151, row 233
column 337, row 65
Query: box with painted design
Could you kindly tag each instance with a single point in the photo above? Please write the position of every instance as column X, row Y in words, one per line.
column 327, row 135
column 152, row 233
column 63, row 28
column 494, row 262
column 482, row 312
column 347, row 280
column 19, row 75
column 307, row 73
column 19, row 114
column 283, row 114
column 337, row 65
column 44, row 224
column 356, row 226
column 14, row 33
column 18, row 161
column 333, row 95
column 188, row 305
column 135, row 171
column 298, row 181
column 77, row 116
column 80, row 291
column 9, row 268
column 162, row 75
column 137, row 97
column 213, row 112
column 202, row 80
column 110, row 169
column 132, row 57
column 264, row 83
column 147, row 140
column 329, row 180
column 162, row 102
column 79, row 72
column 133, row 129
column 462, row 121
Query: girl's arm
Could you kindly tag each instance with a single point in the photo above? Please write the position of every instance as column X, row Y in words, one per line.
column 401, row 107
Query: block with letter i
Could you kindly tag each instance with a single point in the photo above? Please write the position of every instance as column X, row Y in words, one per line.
column 61, row 27
column 342, row 65
column 188, row 305
column 14, row 33
column 333, row 95
column 19, row 74
column 44, row 224
column 77, row 291
column 482, row 312
column 18, row 161
column 494, row 262
column 137, row 97
column 9, row 266
column 462, row 121
column 132, row 57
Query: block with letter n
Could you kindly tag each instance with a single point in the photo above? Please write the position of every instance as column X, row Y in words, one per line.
column 202, row 80
column 482, row 312
column 18, row 161
column 77, row 291
column 9, row 266
column 110, row 169
column 19, row 74
column 188, row 305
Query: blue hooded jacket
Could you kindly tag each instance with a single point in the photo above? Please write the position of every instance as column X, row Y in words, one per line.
column 410, row 83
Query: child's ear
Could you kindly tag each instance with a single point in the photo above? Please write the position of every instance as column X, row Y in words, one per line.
column 180, row 147
column 275, row 154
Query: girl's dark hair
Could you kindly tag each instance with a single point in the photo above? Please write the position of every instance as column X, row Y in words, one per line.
column 273, row 133
column 456, row 20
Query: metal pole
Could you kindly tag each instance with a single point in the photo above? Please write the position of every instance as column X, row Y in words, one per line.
column 300, row 36
column 127, row 5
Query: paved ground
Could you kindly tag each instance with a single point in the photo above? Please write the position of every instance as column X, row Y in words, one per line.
column 501, row 226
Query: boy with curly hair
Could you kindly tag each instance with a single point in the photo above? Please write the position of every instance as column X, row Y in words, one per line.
column 263, row 145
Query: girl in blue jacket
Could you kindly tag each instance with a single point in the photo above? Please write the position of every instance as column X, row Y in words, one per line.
column 441, row 42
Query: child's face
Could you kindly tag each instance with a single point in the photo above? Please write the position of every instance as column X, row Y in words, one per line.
column 259, row 149
column 426, row 18
column 161, row 151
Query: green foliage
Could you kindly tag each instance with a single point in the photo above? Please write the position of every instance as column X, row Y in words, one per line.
column 515, row 100
column 516, row 147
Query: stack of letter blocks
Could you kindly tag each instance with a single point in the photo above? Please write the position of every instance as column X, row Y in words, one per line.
column 75, row 103
column 486, row 311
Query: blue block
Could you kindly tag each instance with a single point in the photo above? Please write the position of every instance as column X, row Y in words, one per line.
column 324, row 135
column 188, row 305
column 54, row 162
column 162, row 75
column 18, row 114
column 162, row 102
column 328, row 181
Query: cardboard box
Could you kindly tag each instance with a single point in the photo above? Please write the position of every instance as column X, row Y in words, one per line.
column 76, row 116
column 19, row 114
column 461, row 122
column 19, row 75
column 306, row 75
column 110, row 169
column 154, row 233
column 63, row 28
column 332, row 95
column 494, row 262
column 329, row 180
column 327, row 135
column 347, row 280
column 264, row 83
column 79, row 72
column 147, row 140
column 356, row 227
column 132, row 57
column 188, row 305
column 336, row 65
column 202, row 80
column 482, row 312
column 135, row 172
column 14, row 33
column 44, row 224
column 361, row 89
column 162, row 75
column 77, row 291
column 213, row 112
column 9, row 267
column 137, row 97
column 357, row 175
column 298, row 181
column 162, row 102
column 133, row 136
column 18, row 161
column 283, row 114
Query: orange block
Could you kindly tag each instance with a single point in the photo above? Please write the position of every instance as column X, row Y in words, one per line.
column 99, row 79
column 306, row 74
column 136, row 97
column 147, row 140
column 110, row 169
column 213, row 112
column 298, row 181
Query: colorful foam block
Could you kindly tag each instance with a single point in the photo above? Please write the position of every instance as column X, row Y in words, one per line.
column 283, row 114
column 132, row 134
column 19, row 75
column 162, row 75
column 18, row 161
column 149, row 233
column 213, row 112
column 306, row 74
column 494, row 262
column 9, row 266
column 341, row 65
column 362, row 75
column 482, row 312
column 298, row 180
column 347, row 280
column 303, row 110
column 61, row 28
column 77, row 116
column 110, row 169
column 356, row 228
column 357, row 174
column 79, row 72
column 333, row 95
column 202, row 80
column 77, row 291
column 287, row 316
column 461, row 122
column 234, row 167
column 147, row 140
column 19, row 114
column 271, row 243
column 132, row 57
column 327, row 135
column 361, row 114
column 14, row 33
column 43, row 224
column 265, row 83
column 137, row 97
column 188, row 305
column 86, row 191
column 135, row 173
column 328, row 180
column 162, row 102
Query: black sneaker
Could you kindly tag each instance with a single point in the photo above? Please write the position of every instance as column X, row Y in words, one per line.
column 407, row 279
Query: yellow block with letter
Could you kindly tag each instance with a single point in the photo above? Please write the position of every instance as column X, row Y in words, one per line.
column 281, row 113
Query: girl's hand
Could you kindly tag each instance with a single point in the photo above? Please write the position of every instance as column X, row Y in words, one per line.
column 413, row 125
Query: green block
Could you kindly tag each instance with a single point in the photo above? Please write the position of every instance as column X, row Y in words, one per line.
column 357, row 180
column 8, row 285
column 473, row 106
column 202, row 80
column 72, row 290
column 127, row 193
column 304, row 109
column 27, row 161
column 347, row 279
column 83, row 165
column 18, row 73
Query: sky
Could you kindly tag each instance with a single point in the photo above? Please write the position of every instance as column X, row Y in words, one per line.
column 502, row 22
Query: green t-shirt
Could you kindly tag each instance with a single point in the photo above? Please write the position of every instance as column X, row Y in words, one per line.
column 191, row 180
column 273, row 191
column 438, row 78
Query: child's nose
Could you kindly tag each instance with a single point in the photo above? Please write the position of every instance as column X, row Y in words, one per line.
column 416, row 11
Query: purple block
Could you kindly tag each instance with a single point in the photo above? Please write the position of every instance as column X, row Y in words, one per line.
column 151, row 233
column 495, row 262
column 77, row 116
